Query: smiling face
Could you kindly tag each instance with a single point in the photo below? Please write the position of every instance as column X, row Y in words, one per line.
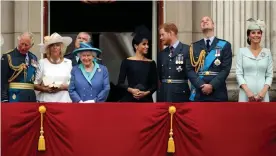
column 55, row 50
column 255, row 36
column 86, row 58
column 142, row 47
column 206, row 23
column 165, row 37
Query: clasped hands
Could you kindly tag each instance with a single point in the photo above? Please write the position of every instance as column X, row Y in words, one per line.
column 255, row 98
column 55, row 89
column 206, row 89
column 138, row 94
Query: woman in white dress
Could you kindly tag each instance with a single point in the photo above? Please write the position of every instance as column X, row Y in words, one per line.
column 53, row 74
column 254, row 66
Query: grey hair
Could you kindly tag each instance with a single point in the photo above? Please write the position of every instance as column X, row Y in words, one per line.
column 29, row 34
column 89, row 36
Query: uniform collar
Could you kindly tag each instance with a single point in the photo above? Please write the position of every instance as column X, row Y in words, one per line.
column 210, row 38
column 175, row 44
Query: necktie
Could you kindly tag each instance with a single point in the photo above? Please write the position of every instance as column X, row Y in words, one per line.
column 27, row 60
column 208, row 44
column 171, row 50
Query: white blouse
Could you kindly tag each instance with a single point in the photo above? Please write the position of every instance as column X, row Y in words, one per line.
column 53, row 75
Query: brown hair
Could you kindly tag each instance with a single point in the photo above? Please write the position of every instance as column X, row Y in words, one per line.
column 169, row 27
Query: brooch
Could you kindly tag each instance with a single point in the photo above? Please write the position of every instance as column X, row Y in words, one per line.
column 263, row 54
column 217, row 62
column 99, row 70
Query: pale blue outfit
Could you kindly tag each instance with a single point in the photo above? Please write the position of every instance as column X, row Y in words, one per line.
column 254, row 71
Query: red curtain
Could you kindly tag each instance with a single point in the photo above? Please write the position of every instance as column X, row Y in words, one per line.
column 128, row 129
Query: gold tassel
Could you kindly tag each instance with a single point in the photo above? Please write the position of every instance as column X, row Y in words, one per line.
column 41, row 141
column 171, row 145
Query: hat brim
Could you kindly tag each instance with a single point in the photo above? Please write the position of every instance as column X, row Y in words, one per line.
column 76, row 51
column 65, row 40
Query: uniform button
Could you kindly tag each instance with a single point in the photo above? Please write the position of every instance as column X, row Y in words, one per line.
column 170, row 59
column 169, row 76
column 170, row 68
column 91, row 95
column 83, row 88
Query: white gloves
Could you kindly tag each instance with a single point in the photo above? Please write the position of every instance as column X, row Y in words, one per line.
column 88, row 101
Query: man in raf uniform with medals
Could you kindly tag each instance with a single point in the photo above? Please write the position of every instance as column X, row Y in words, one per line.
column 18, row 72
column 209, row 65
column 171, row 66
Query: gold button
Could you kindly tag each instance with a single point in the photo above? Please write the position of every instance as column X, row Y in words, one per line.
column 207, row 73
column 169, row 81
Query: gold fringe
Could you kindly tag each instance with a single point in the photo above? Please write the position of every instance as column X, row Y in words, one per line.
column 200, row 61
column 17, row 69
column 171, row 144
column 41, row 141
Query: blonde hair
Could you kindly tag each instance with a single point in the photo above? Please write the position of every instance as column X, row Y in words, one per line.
column 62, row 51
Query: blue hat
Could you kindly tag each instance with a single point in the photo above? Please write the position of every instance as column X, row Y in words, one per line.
column 86, row 47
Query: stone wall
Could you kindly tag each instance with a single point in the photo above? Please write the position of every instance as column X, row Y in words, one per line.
column 18, row 17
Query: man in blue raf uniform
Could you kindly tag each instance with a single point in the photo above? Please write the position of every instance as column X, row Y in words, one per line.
column 209, row 65
column 171, row 66
column 18, row 72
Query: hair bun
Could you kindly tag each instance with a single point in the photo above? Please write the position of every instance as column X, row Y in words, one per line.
column 142, row 31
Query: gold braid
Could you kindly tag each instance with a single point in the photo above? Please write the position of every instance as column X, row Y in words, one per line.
column 200, row 61
column 17, row 69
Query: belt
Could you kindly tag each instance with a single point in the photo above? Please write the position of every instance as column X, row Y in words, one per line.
column 174, row 81
column 18, row 85
column 206, row 73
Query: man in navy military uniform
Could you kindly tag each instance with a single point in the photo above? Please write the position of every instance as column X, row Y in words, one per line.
column 209, row 65
column 171, row 66
column 18, row 72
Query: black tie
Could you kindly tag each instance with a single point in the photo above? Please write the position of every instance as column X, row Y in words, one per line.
column 208, row 44
column 171, row 50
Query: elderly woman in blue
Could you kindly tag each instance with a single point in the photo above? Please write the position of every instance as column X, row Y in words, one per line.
column 89, row 80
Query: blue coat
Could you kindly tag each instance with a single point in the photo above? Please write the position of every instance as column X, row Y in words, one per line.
column 96, row 89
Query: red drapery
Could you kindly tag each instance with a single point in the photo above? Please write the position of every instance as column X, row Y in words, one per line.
column 127, row 129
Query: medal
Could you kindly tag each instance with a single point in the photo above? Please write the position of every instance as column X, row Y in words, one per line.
column 177, row 60
column 179, row 69
column 217, row 62
column 182, row 59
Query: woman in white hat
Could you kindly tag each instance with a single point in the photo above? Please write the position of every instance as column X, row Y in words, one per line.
column 89, row 80
column 254, row 66
column 53, row 74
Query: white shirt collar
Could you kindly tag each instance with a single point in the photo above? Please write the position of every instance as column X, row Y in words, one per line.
column 211, row 40
column 175, row 44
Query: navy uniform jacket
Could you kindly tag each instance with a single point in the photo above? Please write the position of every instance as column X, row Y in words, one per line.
column 169, row 69
column 217, row 81
column 11, row 65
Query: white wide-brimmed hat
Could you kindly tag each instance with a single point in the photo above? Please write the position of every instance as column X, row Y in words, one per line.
column 56, row 38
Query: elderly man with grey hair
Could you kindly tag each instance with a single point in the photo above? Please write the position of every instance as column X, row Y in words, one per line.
column 81, row 37
column 18, row 71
